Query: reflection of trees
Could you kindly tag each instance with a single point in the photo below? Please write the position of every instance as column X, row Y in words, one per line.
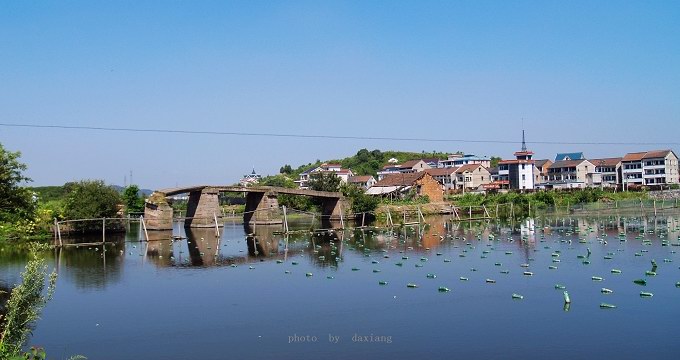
column 88, row 267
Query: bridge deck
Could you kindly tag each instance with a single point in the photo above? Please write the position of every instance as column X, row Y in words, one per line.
column 261, row 189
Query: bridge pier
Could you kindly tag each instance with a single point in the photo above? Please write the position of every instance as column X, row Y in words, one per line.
column 202, row 208
column 262, row 208
column 157, row 212
column 333, row 208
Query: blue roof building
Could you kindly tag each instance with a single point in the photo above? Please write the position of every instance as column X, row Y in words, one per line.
column 569, row 156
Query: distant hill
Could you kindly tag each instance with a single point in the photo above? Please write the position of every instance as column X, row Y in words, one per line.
column 141, row 192
column 49, row 193
column 366, row 162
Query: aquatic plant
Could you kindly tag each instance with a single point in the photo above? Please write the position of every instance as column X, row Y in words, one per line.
column 25, row 304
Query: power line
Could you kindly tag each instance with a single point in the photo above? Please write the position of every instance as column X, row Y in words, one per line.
column 316, row 136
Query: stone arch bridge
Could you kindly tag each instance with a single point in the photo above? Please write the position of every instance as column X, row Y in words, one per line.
column 203, row 205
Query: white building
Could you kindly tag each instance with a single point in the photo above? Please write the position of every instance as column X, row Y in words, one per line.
column 651, row 168
column 343, row 174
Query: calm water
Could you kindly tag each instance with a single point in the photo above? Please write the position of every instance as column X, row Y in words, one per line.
column 209, row 298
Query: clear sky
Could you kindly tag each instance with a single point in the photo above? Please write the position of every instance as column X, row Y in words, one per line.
column 576, row 71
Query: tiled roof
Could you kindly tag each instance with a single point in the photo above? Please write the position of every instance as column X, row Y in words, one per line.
column 410, row 163
column 468, row 167
column 441, row 171
column 606, row 161
column 359, row 179
column 400, row 179
column 566, row 163
column 656, row 154
column 541, row 163
column 571, row 156
column 636, row 156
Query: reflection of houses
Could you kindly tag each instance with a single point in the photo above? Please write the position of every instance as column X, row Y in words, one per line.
column 656, row 167
column 446, row 177
column 343, row 174
column 364, row 182
column 399, row 185
column 458, row 160
column 471, row 177
column 609, row 170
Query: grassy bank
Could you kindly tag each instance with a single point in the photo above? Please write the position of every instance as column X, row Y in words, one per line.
column 546, row 199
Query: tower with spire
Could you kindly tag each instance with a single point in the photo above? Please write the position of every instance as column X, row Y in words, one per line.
column 519, row 172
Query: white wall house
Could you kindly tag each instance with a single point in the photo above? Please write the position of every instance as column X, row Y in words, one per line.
column 658, row 167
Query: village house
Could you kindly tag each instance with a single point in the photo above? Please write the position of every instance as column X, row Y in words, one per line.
column 365, row 182
column 458, row 160
column 410, row 166
column 343, row 174
column 568, row 174
column 518, row 173
column 609, row 170
column 651, row 168
column 399, row 185
column 541, row 170
column 446, row 177
column 471, row 177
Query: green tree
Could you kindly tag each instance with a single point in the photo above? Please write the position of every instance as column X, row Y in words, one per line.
column 495, row 160
column 286, row 169
column 16, row 201
column 90, row 199
column 361, row 202
column 324, row 181
column 131, row 199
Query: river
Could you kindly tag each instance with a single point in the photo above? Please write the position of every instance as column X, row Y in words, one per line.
column 319, row 296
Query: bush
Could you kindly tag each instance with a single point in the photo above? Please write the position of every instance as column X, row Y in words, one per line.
column 91, row 199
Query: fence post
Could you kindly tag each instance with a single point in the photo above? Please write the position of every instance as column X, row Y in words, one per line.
column 285, row 220
column 103, row 230
column 217, row 226
column 56, row 223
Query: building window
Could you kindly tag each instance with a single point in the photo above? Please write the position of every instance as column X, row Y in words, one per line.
column 524, row 177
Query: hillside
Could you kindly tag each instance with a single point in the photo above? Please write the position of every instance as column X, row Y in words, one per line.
column 366, row 162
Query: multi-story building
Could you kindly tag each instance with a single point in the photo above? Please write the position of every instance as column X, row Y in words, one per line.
column 609, row 170
column 407, row 167
column 471, row 177
column 458, row 160
column 518, row 173
column 445, row 176
column 541, row 170
column 343, row 174
column 568, row 174
column 651, row 168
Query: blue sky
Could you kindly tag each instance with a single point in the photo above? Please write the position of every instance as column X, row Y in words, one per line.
column 575, row 71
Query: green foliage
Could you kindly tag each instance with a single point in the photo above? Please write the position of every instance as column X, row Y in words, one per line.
column 361, row 202
column 278, row 180
column 495, row 160
column 90, row 199
column 25, row 304
column 131, row 199
column 324, row 181
column 16, row 201
column 50, row 193
column 366, row 162
column 289, row 201
column 286, row 169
